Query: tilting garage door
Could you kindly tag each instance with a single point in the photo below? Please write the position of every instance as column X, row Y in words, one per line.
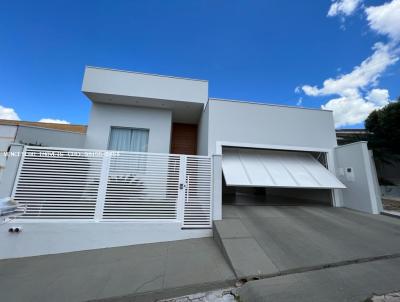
column 271, row 168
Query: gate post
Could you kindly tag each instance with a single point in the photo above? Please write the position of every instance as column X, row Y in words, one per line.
column 216, row 198
column 101, row 192
column 180, row 207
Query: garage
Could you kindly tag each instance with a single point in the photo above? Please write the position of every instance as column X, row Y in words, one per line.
column 276, row 177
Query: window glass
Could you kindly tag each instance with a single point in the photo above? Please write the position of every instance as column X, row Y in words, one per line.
column 128, row 139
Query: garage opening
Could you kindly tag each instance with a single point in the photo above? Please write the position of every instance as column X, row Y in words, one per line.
column 276, row 177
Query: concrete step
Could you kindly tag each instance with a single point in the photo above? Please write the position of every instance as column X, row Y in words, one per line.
column 247, row 259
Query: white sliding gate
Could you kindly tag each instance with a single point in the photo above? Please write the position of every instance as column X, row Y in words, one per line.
column 83, row 184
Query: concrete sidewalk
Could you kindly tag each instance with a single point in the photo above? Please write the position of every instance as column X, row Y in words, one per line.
column 355, row 282
column 141, row 272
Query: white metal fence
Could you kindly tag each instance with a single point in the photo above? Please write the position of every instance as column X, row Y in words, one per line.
column 198, row 182
column 72, row 184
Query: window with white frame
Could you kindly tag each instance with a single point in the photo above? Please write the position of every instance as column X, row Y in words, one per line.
column 128, row 139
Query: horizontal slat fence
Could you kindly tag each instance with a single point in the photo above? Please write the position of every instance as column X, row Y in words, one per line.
column 58, row 183
column 142, row 186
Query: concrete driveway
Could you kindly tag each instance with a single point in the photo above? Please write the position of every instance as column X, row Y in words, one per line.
column 351, row 283
column 299, row 238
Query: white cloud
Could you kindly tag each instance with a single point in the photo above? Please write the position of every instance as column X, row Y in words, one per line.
column 355, row 109
column 299, row 101
column 367, row 73
column 385, row 19
column 55, row 121
column 8, row 114
column 349, row 111
column 356, row 91
column 357, row 95
column 343, row 7
column 380, row 97
column 311, row 90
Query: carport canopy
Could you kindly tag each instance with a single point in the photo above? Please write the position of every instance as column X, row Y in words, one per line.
column 275, row 168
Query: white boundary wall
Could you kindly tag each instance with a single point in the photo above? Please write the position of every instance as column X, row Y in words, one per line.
column 41, row 238
column 355, row 169
column 64, row 218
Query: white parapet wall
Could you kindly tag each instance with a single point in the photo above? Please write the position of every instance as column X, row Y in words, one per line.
column 41, row 238
column 140, row 85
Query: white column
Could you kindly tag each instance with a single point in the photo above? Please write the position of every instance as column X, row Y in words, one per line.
column 336, row 193
column 216, row 198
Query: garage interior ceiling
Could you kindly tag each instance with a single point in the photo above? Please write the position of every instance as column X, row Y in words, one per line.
column 272, row 168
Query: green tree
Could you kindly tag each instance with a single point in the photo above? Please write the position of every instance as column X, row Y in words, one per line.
column 383, row 138
column 383, row 126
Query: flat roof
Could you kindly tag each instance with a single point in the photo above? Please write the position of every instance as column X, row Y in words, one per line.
column 348, row 130
column 55, row 126
column 267, row 104
column 210, row 98
column 145, row 73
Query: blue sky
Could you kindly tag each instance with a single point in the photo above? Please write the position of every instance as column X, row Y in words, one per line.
column 247, row 50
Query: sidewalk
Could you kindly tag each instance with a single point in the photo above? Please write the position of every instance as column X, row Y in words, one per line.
column 164, row 269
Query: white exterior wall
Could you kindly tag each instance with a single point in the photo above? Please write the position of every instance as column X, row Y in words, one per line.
column 261, row 124
column 361, row 192
column 202, row 132
column 49, row 137
column 10, row 170
column 41, row 238
column 103, row 116
column 7, row 137
column 142, row 85
column 10, row 134
column 35, row 135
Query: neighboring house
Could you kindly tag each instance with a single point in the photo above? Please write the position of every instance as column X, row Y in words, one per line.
column 179, row 155
column 38, row 134
column 346, row 136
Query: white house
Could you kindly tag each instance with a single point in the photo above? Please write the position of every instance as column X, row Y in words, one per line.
column 160, row 158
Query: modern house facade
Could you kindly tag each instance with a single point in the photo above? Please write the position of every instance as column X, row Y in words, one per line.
column 179, row 155
column 116, row 100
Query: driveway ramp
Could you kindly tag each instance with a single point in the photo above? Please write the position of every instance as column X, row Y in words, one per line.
column 266, row 241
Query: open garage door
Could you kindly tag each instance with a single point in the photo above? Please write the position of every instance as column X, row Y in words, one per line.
column 273, row 168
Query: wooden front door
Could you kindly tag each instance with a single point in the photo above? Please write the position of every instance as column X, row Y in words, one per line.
column 184, row 139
